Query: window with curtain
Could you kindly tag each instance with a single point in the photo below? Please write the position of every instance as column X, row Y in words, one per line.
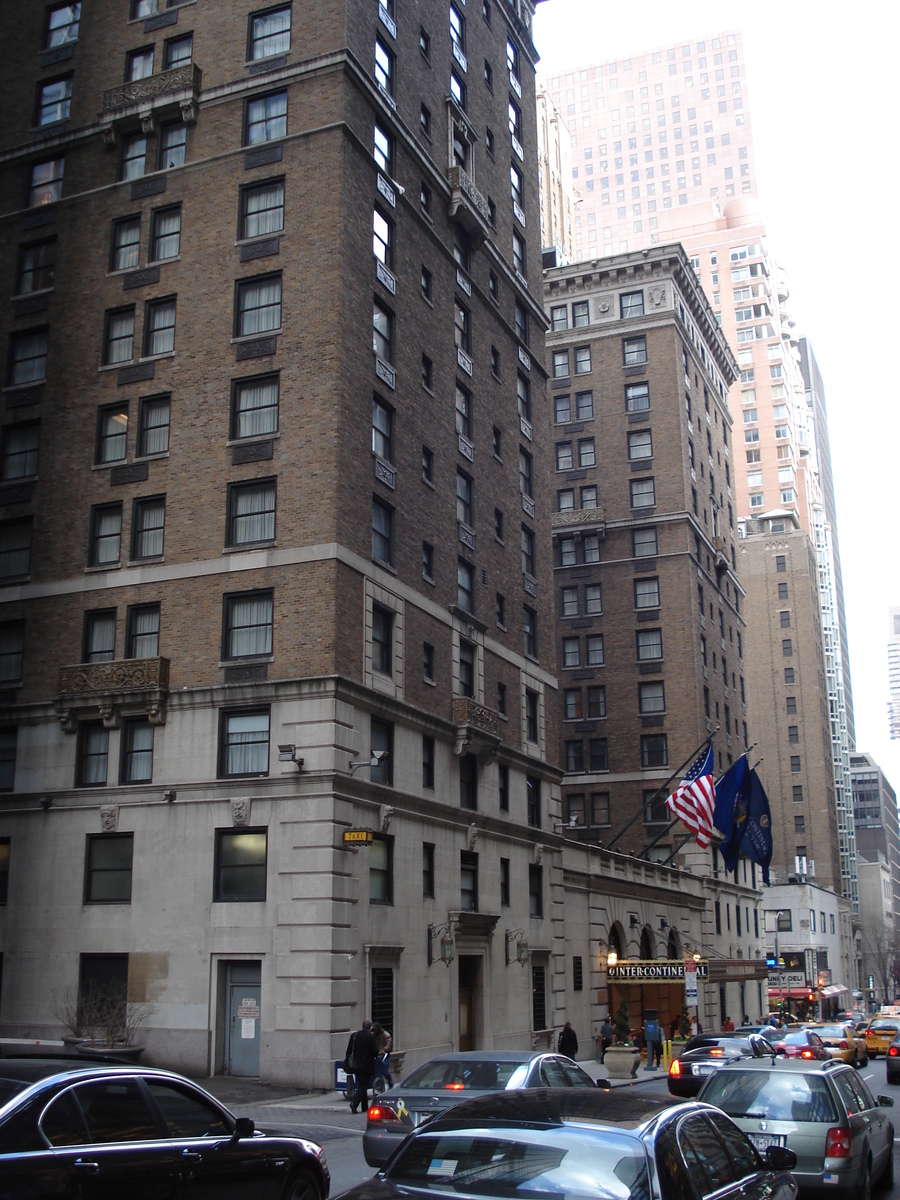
column 245, row 743
column 19, row 454
column 262, row 209
column 100, row 636
column 258, row 306
column 119, row 341
column 254, row 409
column 93, row 750
column 251, row 512
column 265, row 119
column 148, row 527
column 136, row 765
column 106, row 534
column 270, row 33
column 142, row 640
column 159, row 333
column 153, row 426
column 248, row 625
column 165, row 235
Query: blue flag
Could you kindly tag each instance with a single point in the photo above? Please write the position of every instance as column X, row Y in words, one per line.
column 729, row 791
column 757, row 840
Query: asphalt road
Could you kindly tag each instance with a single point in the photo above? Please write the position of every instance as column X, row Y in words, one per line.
column 340, row 1132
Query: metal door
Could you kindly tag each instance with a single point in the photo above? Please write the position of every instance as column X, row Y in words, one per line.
column 243, row 984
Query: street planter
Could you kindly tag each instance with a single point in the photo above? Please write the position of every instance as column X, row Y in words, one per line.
column 622, row 1061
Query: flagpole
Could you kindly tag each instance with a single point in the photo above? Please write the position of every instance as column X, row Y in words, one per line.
column 663, row 786
column 684, row 841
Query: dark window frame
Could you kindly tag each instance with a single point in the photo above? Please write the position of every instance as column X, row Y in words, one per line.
column 232, row 895
column 226, row 745
column 230, row 601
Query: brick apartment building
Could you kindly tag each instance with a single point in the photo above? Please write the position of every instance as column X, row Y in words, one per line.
column 273, row 548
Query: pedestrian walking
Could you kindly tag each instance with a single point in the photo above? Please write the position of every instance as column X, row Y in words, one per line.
column 653, row 1040
column 362, row 1051
column 567, row 1042
column 384, row 1042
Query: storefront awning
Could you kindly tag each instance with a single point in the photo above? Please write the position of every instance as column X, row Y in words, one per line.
column 833, row 989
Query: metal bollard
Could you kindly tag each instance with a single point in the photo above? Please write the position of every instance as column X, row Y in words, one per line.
column 666, row 1055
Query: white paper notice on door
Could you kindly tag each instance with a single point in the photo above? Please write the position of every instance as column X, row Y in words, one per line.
column 248, row 1028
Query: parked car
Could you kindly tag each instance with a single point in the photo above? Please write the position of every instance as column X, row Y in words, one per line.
column 892, row 1061
column 596, row 1145
column 801, row 1043
column 443, row 1082
column 769, row 1032
column 880, row 1032
column 823, row 1111
column 841, row 1041
column 706, row 1052
column 68, row 1128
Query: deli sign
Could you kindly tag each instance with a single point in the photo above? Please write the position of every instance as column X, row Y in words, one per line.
column 645, row 970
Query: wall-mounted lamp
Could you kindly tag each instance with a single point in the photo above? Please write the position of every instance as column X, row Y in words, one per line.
column 572, row 822
column 446, row 934
column 45, row 802
column 288, row 753
column 169, row 795
column 612, row 958
column 633, row 922
column 663, row 924
column 521, row 946
column 378, row 757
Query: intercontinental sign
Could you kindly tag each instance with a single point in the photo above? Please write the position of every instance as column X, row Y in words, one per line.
column 647, row 970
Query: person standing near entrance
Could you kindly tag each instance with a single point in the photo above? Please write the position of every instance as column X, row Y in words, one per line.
column 568, row 1042
column 607, row 1036
column 364, row 1049
column 728, row 1025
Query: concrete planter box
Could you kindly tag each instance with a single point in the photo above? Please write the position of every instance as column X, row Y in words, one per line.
column 622, row 1061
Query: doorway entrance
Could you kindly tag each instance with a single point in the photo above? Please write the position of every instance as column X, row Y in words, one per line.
column 470, row 998
column 243, row 991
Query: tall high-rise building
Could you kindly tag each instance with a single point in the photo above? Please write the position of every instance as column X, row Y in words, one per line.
column 557, row 195
column 876, row 820
column 276, row 640
column 894, row 672
column 662, row 151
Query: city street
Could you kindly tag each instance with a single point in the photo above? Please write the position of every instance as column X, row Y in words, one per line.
column 326, row 1119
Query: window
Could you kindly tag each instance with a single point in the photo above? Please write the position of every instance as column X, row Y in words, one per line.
column 790, row 704
column 468, row 782
column 649, row 644
column 12, row 647
column 562, row 409
column 643, row 493
column 501, row 698
column 7, row 783
column 789, row 675
column 247, row 625
column 527, row 550
column 593, row 599
column 631, row 304
column 381, row 869
column 383, row 151
column 598, row 755
column 571, row 648
column 92, row 752
column 153, row 426
column 36, row 267
column 646, row 593
column 382, row 332
column 384, row 67
column 457, row 29
column 165, row 234
column 535, row 892
column 596, row 702
column 46, row 182
column 580, row 317
column 465, row 585
column 118, row 342
column 19, row 452
column 644, row 543
column 522, row 329
column 427, row 560
column 533, row 801
column 382, row 531
column 240, row 864
column 651, row 697
column 569, row 598
column 594, row 650
column 54, row 101
column 654, row 750
column 112, row 431
column 468, row 881
column 254, row 406
column 425, row 43
column 133, row 160
column 564, row 459
column 466, row 668
column 172, row 145
column 382, row 430
column 531, row 715
column 142, row 632
column 463, row 411
column 428, row 661
column 640, row 445
column 637, row 397
column 28, row 357
column 62, row 25
column 251, row 512
column 270, row 33
column 586, row 456
column 787, row 648
column 178, row 52
column 428, row 870
column 136, row 761
column 258, row 306
column 518, row 253
column 428, row 765
column 126, row 244
column 106, row 535
column 460, row 145
column 159, row 327
column 244, row 743
column 529, row 622
column 99, row 636
column 634, row 351
column 265, row 118
column 107, row 876
column 572, row 704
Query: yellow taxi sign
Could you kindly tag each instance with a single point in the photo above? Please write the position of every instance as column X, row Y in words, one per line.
column 357, row 837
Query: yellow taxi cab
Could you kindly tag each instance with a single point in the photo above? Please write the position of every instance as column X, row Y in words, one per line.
column 842, row 1042
column 880, row 1032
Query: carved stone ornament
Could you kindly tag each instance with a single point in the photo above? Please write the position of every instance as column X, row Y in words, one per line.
column 135, row 685
column 109, row 817
column 385, row 816
column 189, row 110
column 538, row 855
column 240, row 811
column 471, row 836
column 148, row 123
column 657, row 296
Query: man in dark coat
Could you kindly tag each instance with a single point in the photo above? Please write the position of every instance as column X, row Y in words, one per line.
column 568, row 1042
column 607, row 1037
column 365, row 1051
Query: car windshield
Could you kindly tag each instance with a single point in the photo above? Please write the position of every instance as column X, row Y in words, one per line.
column 770, row 1095
column 801, row 1038
column 883, row 1026
column 832, row 1031
column 562, row 1162
column 483, row 1074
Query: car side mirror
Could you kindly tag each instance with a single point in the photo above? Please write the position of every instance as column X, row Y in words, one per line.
column 885, row 1101
column 604, row 1085
column 780, row 1158
column 243, row 1128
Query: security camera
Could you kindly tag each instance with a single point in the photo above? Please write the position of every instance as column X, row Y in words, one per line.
column 378, row 756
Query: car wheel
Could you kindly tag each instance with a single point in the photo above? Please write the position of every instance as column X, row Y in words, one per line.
column 302, row 1186
column 379, row 1085
column 865, row 1192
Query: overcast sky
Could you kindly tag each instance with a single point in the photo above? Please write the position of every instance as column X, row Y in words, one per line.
column 822, row 82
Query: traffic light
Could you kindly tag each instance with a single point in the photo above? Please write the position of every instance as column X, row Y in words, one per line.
column 811, row 997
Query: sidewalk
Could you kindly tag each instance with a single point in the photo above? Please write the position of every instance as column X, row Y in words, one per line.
column 249, row 1097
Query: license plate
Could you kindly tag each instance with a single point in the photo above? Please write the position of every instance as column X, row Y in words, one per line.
column 762, row 1141
column 703, row 1068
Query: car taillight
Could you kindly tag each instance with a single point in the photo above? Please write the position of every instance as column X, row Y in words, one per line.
column 806, row 1053
column 717, row 1052
column 893, row 1051
column 842, row 1045
column 382, row 1114
column 675, row 1068
column 838, row 1143
column 454, row 1087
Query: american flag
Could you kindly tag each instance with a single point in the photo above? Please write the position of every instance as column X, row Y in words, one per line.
column 694, row 799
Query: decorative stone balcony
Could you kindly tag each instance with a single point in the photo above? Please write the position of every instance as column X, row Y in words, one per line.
column 146, row 102
column 468, row 206
column 477, row 728
column 579, row 520
column 139, row 686
column 723, row 561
